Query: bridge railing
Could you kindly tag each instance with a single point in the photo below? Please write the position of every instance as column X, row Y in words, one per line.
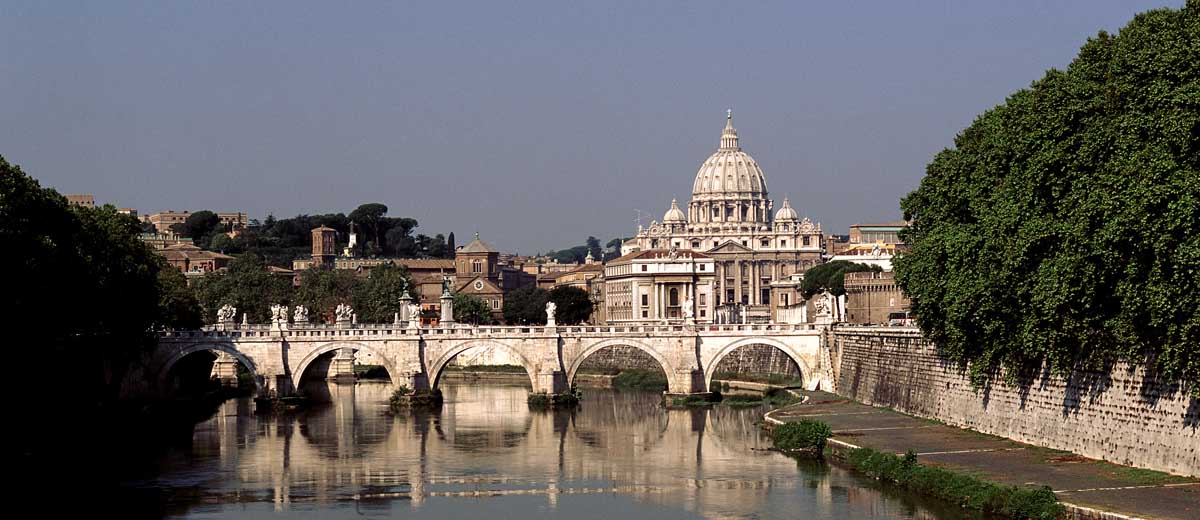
column 393, row 329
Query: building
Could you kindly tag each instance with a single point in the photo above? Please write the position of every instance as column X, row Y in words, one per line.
column 84, row 200
column 163, row 220
column 660, row 285
column 477, row 273
column 871, row 297
column 193, row 261
column 588, row 278
column 731, row 220
column 872, row 244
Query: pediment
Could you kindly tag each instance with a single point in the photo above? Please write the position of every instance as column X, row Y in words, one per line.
column 729, row 246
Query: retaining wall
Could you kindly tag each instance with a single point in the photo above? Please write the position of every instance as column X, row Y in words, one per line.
column 1123, row 415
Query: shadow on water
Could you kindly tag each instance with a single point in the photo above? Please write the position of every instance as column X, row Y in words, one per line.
column 619, row 454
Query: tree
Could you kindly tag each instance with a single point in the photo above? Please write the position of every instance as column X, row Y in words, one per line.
column 471, row 309
column 247, row 285
column 369, row 217
column 81, row 279
column 526, row 306
column 613, row 248
column 573, row 305
column 322, row 290
column 450, row 243
column 593, row 248
column 177, row 303
column 1063, row 228
column 831, row 276
column 377, row 299
column 199, row 227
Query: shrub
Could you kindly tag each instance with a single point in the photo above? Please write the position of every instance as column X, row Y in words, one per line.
column 802, row 435
column 964, row 490
column 641, row 380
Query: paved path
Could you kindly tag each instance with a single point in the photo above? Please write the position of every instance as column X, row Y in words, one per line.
column 1076, row 480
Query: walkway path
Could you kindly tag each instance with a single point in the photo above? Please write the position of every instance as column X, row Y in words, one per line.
column 1077, row 480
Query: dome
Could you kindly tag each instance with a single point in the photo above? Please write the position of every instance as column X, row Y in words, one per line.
column 674, row 215
column 730, row 173
column 786, row 213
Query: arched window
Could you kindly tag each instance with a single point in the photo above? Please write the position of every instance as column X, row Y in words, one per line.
column 674, row 297
column 476, row 266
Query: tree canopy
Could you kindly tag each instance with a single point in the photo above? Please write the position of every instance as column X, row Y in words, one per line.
column 469, row 308
column 1064, row 226
column 831, row 276
column 526, row 306
column 573, row 305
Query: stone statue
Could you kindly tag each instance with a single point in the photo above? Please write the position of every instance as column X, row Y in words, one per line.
column 279, row 314
column 445, row 285
column 673, row 253
column 301, row 314
column 688, row 311
column 550, row 308
column 226, row 313
column 343, row 312
column 822, row 304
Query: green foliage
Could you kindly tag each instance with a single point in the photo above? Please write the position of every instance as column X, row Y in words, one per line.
column 1064, row 226
column 199, row 227
column 538, row 401
column 369, row 372
column 377, row 298
column 178, row 306
column 651, row 380
column 471, row 309
column 966, row 491
column 526, row 306
column 574, row 305
column 691, row 401
column 831, row 277
column 805, row 434
column 246, row 285
column 322, row 290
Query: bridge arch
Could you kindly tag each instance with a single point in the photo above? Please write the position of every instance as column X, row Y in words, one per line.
column 805, row 369
column 330, row 347
column 667, row 368
column 439, row 365
column 164, row 368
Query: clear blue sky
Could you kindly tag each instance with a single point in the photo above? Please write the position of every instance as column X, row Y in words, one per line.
column 536, row 124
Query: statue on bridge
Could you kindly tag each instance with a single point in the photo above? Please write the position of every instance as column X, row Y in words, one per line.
column 226, row 313
column 301, row 314
column 551, row 307
column 343, row 312
column 279, row 315
column 689, row 311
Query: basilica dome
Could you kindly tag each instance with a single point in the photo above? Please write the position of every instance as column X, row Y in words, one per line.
column 729, row 186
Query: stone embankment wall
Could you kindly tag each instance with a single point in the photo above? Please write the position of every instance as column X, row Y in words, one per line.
column 1122, row 416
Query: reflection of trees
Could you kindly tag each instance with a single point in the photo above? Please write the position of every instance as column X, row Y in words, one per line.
column 620, row 420
column 484, row 417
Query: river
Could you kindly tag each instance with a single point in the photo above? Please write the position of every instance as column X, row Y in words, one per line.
column 486, row 455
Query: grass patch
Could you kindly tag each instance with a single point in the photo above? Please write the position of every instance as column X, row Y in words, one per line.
column 504, row 369
column 805, row 434
column 771, row 379
column 651, row 380
column 965, row 490
column 404, row 399
column 543, row 401
column 370, row 372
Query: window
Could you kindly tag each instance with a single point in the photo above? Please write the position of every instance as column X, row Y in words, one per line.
column 495, row 304
column 703, row 298
column 764, row 296
column 645, row 300
column 695, row 244
column 674, row 297
column 701, row 267
column 728, row 295
column 643, row 268
column 783, row 299
column 645, row 314
column 783, row 243
column 766, row 242
column 476, row 266
column 744, row 244
column 806, row 242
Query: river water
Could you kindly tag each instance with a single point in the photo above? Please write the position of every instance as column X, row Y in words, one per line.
column 486, row 455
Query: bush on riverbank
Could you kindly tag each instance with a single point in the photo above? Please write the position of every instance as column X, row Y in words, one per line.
column 806, row 434
column 543, row 401
column 964, row 490
column 370, row 372
column 743, row 400
column 652, row 380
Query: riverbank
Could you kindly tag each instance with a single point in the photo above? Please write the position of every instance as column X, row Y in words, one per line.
column 1089, row 488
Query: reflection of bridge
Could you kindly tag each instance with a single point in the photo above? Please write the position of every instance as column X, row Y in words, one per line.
column 416, row 357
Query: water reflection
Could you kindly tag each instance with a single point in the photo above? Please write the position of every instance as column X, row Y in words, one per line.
column 486, row 454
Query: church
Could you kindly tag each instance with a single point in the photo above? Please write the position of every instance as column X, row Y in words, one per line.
column 731, row 220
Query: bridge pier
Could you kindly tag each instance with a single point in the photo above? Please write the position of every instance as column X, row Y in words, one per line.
column 225, row 369
column 341, row 369
column 550, row 382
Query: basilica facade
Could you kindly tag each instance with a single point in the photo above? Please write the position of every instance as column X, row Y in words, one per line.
column 731, row 219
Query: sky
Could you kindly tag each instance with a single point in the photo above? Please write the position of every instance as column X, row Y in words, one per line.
column 535, row 124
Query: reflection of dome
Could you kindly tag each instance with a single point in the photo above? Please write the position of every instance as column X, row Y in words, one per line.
column 729, row 186
column 674, row 215
column 786, row 212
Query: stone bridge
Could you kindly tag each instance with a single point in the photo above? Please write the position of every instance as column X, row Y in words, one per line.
column 279, row 357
